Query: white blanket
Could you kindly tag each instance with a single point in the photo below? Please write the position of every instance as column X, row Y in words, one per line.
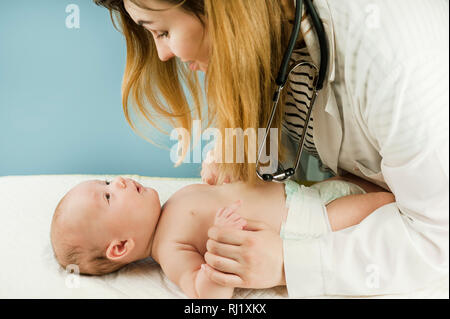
column 29, row 270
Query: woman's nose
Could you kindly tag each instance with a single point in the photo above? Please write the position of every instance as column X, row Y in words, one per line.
column 120, row 182
column 164, row 52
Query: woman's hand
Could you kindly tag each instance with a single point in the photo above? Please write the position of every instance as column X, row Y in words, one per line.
column 248, row 258
column 209, row 170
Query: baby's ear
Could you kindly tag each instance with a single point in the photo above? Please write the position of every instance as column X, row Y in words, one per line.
column 120, row 250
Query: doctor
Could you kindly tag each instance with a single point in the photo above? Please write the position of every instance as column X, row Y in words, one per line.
column 382, row 115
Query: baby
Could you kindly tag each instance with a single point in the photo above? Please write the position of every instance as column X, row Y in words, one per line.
column 102, row 226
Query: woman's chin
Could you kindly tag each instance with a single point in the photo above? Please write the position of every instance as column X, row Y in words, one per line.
column 203, row 67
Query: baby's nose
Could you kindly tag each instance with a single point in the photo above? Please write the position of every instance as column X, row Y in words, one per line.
column 120, row 182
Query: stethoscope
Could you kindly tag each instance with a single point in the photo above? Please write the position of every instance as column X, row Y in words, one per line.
column 282, row 77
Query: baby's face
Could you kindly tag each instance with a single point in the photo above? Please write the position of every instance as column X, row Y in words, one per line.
column 116, row 210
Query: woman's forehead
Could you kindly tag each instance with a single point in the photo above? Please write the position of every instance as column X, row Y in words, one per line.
column 143, row 13
column 149, row 6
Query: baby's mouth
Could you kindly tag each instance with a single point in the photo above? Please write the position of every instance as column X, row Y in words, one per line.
column 139, row 187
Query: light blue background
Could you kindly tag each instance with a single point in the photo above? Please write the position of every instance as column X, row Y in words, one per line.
column 60, row 103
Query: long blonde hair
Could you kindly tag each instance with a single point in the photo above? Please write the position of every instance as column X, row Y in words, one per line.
column 247, row 37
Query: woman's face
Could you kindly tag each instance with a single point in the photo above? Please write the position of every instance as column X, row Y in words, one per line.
column 176, row 32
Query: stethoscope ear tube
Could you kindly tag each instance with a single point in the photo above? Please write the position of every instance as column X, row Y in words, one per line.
column 283, row 73
column 320, row 31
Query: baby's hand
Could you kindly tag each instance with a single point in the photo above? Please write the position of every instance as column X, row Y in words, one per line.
column 227, row 217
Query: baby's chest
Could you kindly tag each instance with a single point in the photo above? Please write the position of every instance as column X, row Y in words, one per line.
column 190, row 229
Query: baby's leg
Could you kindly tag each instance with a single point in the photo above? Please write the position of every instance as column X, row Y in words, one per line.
column 366, row 185
column 227, row 217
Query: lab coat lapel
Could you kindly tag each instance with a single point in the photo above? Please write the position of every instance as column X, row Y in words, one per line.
column 327, row 128
column 326, row 115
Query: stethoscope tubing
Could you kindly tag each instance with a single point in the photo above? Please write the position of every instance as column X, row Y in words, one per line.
column 282, row 79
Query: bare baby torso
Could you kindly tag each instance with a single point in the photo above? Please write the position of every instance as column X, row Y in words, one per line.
column 190, row 212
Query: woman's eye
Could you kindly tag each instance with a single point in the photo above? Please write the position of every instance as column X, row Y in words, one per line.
column 162, row 35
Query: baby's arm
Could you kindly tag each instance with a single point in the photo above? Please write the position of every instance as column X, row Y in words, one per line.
column 225, row 217
column 182, row 262
column 182, row 265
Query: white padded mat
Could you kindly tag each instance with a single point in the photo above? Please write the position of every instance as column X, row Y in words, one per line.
column 29, row 270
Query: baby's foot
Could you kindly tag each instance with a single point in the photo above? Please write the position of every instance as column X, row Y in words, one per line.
column 227, row 217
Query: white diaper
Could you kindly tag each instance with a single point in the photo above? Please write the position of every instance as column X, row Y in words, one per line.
column 307, row 216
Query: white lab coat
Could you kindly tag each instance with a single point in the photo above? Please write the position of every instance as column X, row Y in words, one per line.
column 382, row 116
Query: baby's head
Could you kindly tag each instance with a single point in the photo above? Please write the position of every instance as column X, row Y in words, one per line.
column 102, row 226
